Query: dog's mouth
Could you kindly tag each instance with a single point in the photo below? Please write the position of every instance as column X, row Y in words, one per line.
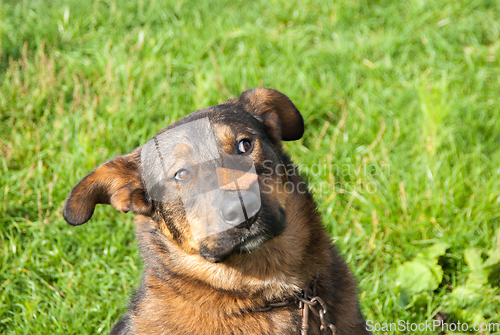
column 254, row 240
column 252, row 243
column 242, row 239
column 251, row 220
column 260, row 224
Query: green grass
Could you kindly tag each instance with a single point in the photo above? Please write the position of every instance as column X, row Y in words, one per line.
column 400, row 100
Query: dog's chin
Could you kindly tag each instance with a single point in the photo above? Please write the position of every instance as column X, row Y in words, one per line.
column 248, row 245
column 236, row 241
column 213, row 258
column 253, row 243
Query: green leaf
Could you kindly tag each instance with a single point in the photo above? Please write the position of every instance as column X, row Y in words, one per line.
column 433, row 252
column 481, row 271
column 479, row 277
column 419, row 275
column 471, row 317
column 493, row 258
column 467, row 294
column 473, row 259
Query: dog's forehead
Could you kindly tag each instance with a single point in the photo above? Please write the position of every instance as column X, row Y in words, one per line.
column 202, row 135
column 225, row 118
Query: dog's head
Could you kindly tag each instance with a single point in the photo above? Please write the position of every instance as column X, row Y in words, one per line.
column 214, row 181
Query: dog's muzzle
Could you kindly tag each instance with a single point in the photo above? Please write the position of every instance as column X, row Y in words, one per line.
column 218, row 191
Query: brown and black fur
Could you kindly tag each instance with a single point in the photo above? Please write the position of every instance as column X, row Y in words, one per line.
column 213, row 286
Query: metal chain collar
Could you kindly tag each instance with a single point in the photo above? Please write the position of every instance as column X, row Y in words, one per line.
column 306, row 303
column 318, row 307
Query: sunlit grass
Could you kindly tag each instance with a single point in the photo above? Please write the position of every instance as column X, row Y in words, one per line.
column 401, row 106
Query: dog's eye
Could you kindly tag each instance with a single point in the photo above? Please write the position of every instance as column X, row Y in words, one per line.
column 182, row 175
column 244, row 146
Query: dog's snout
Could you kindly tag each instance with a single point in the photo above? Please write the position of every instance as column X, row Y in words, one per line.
column 239, row 209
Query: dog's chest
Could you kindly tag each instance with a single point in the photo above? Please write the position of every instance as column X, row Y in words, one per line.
column 170, row 320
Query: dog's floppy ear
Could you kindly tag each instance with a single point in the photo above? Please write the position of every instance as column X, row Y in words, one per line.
column 116, row 182
column 276, row 112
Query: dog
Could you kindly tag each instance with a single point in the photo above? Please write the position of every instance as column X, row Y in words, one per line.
column 231, row 239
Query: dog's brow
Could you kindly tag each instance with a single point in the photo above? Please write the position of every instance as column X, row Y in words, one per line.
column 249, row 132
column 224, row 132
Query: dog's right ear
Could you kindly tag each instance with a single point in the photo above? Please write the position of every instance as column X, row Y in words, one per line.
column 116, row 182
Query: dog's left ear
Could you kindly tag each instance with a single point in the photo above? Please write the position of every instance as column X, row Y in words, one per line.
column 276, row 112
column 116, row 183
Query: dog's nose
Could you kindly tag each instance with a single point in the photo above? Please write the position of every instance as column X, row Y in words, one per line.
column 237, row 209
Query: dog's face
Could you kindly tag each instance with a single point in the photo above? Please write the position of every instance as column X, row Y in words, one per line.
column 214, row 181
